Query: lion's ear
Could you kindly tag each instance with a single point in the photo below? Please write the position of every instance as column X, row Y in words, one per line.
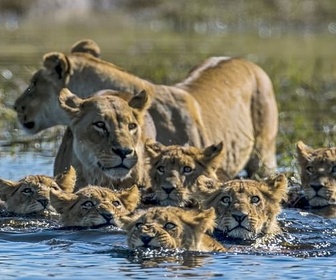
column 130, row 198
column 7, row 187
column 278, row 186
column 153, row 148
column 61, row 200
column 57, row 64
column 140, row 101
column 205, row 220
column 303, row 151
column 67, row 179
column 86, row 46
column 213, row 155
column 70, row 102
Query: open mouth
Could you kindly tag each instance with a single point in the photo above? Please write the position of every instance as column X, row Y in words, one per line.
column 29, row 125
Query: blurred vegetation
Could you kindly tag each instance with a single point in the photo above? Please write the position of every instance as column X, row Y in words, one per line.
column 293, row 40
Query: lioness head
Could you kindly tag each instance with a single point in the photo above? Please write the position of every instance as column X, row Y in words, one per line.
column 31, row 194
column 107, row 135
column 247, row 209
column 171, row 228
column 318, row 174
column 94, row 206
column 174, row 169
column 37, row 108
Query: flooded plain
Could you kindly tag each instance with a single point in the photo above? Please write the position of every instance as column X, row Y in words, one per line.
column 302, row 66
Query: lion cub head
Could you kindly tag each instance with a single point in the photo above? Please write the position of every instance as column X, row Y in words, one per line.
column 172, row 228
column 247, row 209
column 32, row 193
column 107, row 137
column 174, row 169
column 318, row 174
column 94, row 206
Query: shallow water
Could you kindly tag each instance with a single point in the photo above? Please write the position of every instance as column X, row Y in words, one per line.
column 37, row 250
column 303, row 71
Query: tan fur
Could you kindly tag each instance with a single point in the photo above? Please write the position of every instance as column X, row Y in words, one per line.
column 318, row 174
column 248, row 209
column 31, row 194
column 222, row 99
column 94, row 206
column 174, row 169
column 86, row 46
column 107, row 139
column 172, row 228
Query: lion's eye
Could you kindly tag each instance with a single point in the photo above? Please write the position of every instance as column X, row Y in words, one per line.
column 27, row 191
column 226, row 199
column 100, row 125
column 160, row 169
column 138, row 225
column 169, row 226
column 187, row 170
column 132, row 126
column 310, row 169
column 88, row 204
column 255, row 199
column 116, row 203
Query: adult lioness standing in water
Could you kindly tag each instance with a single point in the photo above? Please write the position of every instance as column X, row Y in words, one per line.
column 222, row 99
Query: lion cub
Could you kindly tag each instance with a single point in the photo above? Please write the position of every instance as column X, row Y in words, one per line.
column 94, row 206
column 247, row 209
column 172, row 228
column 174, row 169
column 318, row 174
column 32, row 193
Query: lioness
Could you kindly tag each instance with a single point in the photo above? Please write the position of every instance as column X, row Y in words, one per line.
column 107, row 143
column 172, row 228
column 222, row 99
column 318, row 174
column 247, row 209
column 31, row 194
column 94, row 206
column 174, row 169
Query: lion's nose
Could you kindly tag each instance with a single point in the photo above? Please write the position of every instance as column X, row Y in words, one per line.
column 239, row 217
column 107, row 216
column 44, row 202
column 168, row 189
column 123, row 152
column 316, row 187
column 146, row 239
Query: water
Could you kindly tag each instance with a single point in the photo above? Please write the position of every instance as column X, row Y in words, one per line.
column 302, row 69
column 35, row 249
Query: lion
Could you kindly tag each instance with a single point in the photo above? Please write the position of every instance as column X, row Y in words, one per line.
column 94, row 206
column 172, row 228
column 247, row 209
column 107, row 139
column 30, row 195
column 222, row 99
column 174, row 169
column 318, row 174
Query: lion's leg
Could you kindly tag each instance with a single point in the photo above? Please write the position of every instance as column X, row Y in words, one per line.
column 63, row 156
column 265, row 123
